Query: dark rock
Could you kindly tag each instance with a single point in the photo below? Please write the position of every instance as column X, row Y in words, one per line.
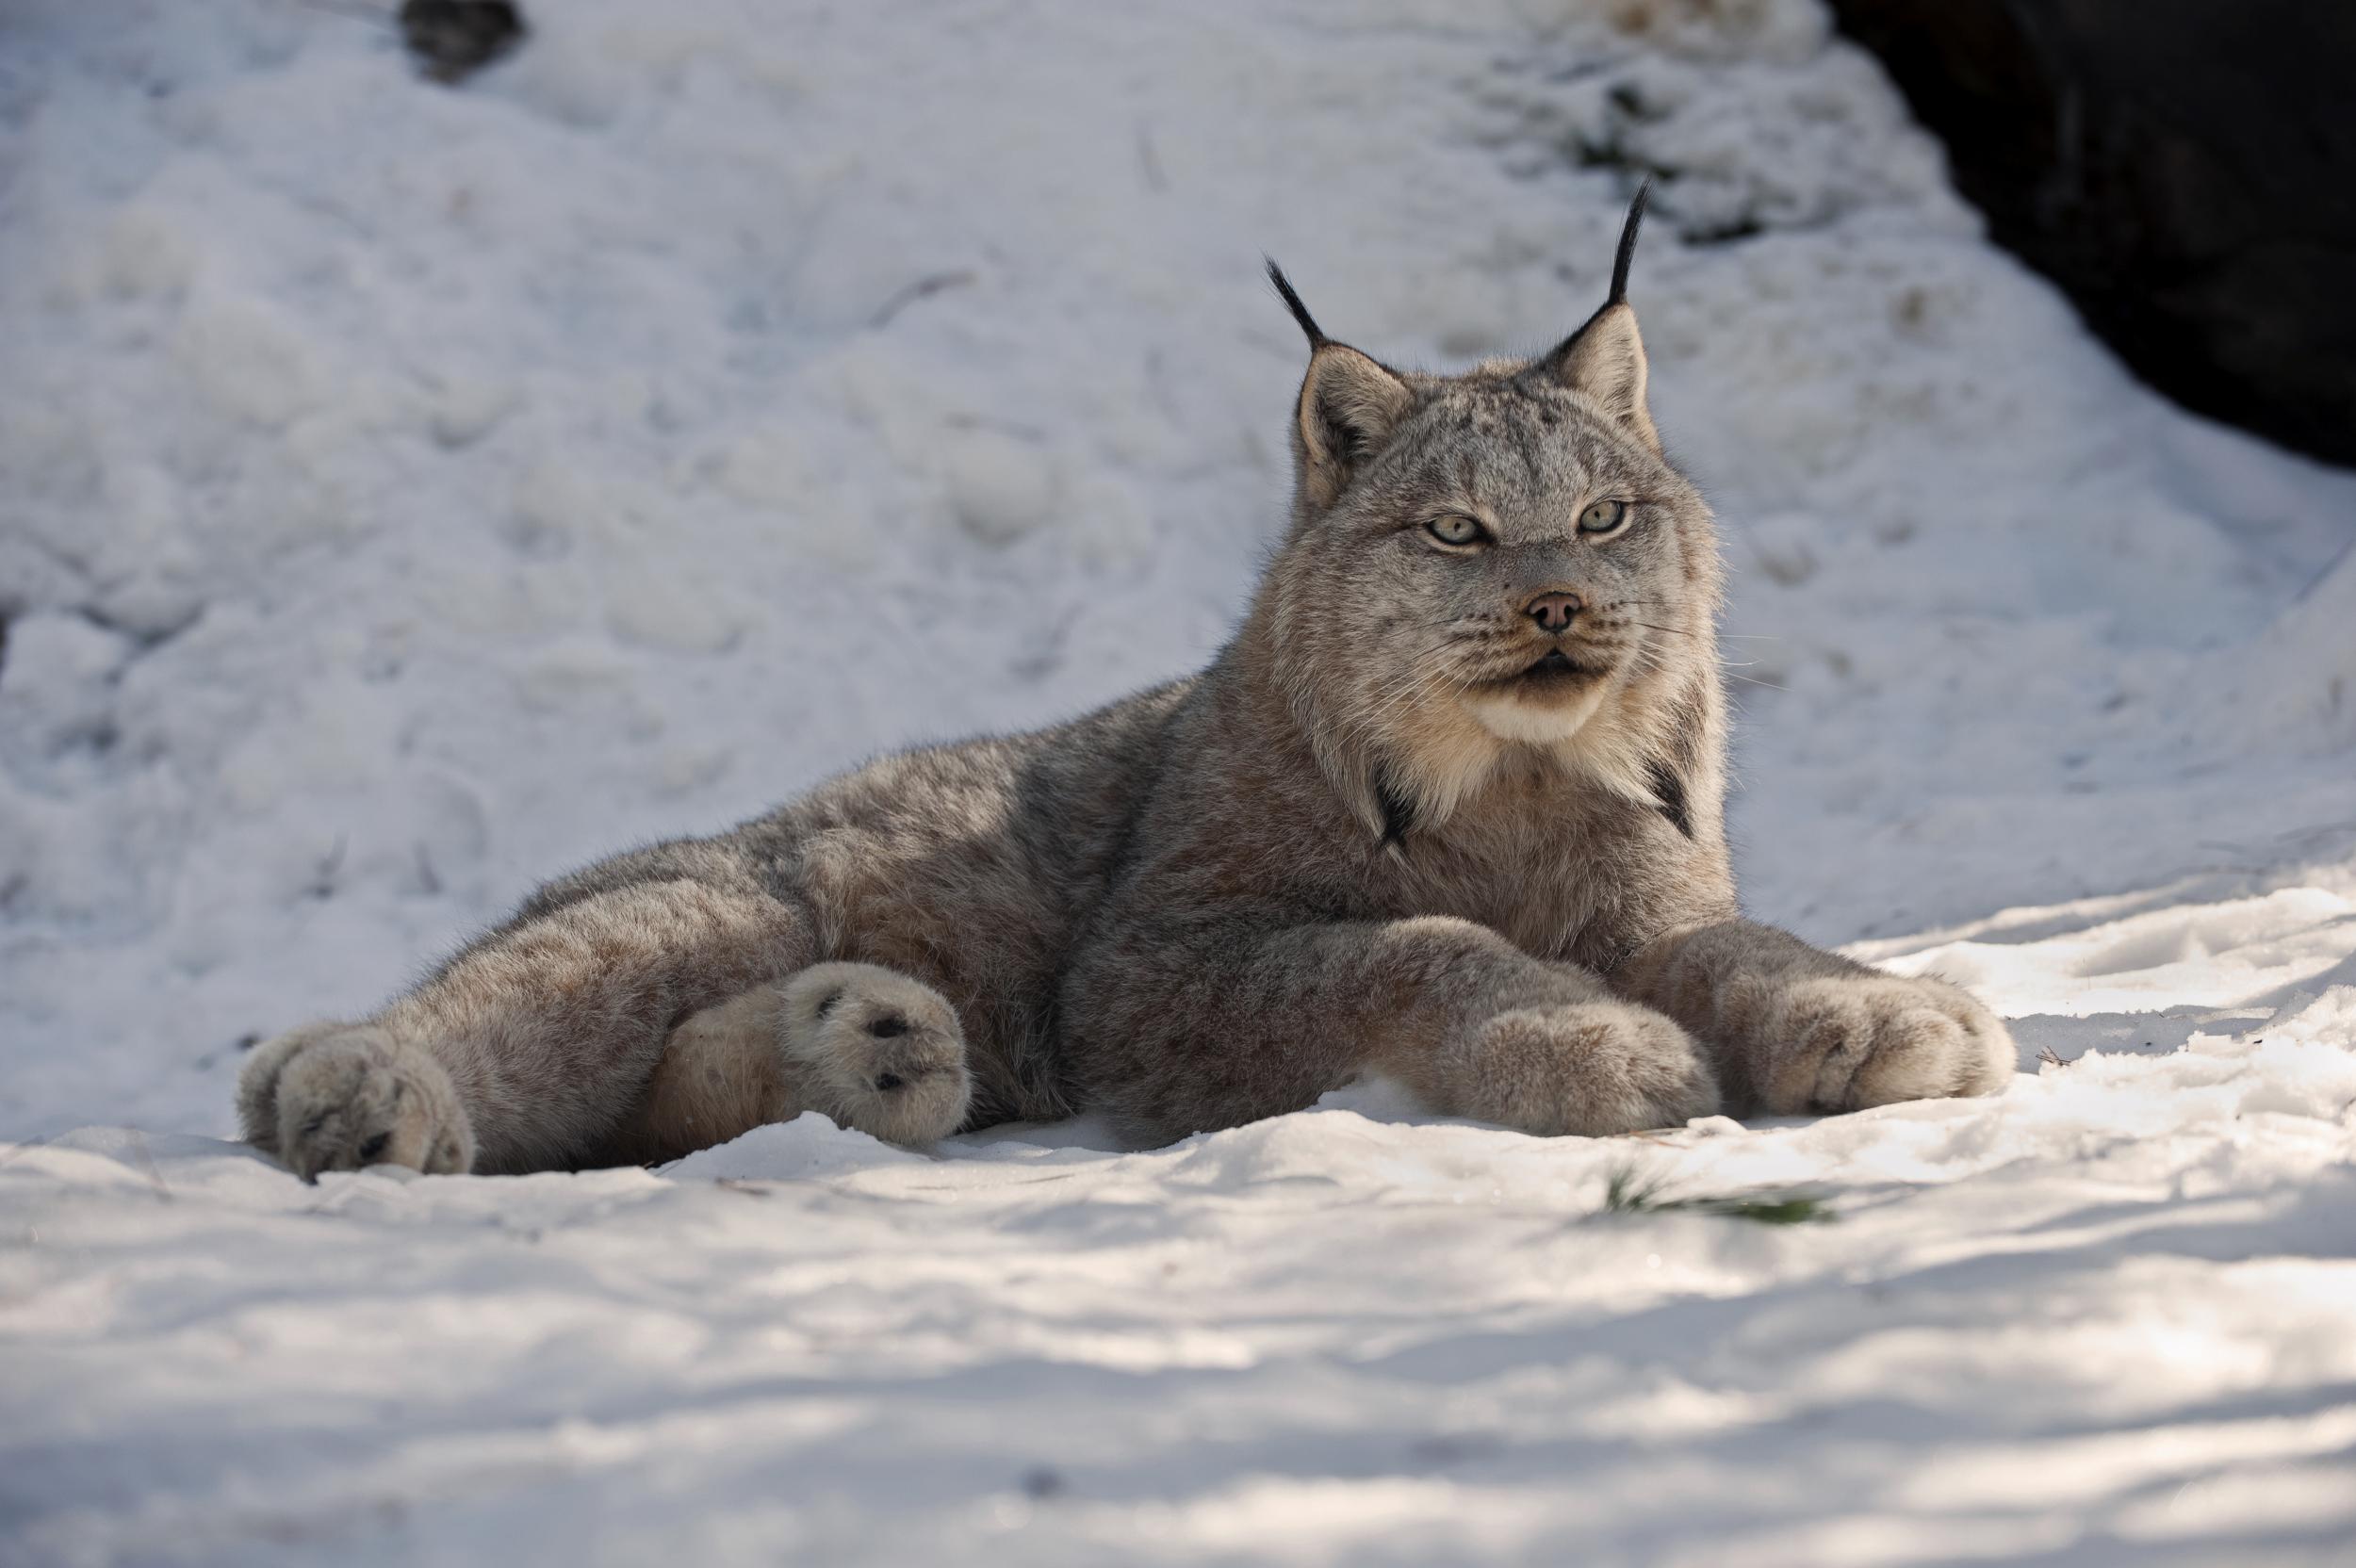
column 2185, row 170
column 455, row 37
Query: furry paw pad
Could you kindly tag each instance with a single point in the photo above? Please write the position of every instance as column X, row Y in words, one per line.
column 1844, row 1043
column 1588, row 1067
column 336, row 1097
column 877, row 1050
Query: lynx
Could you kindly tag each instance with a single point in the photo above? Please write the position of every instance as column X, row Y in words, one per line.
column 1449, row 808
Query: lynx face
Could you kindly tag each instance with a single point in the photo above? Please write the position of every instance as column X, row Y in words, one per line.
column 1487, row 566
column 1507, row 555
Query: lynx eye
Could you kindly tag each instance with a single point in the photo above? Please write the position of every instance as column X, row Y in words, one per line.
column 1603, row 517
column 1456, row 528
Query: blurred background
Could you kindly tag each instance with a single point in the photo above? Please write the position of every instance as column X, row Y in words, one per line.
column 435, row 455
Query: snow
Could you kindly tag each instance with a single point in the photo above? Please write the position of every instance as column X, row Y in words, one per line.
column 2104, row 1319
column 407, row 493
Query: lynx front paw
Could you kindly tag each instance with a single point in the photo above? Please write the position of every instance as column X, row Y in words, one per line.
column 1844, row 1043
column 877, row 1050
column 1590, row 1067
column 339, row 1097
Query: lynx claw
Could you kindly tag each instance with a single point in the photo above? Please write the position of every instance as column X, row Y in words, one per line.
column 332, row 1097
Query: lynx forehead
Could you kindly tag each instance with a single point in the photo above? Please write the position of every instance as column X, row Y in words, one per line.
column 1449, row 807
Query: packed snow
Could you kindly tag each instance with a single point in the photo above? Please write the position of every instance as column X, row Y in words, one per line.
column 409, row 492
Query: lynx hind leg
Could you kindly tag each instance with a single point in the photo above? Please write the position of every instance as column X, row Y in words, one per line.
column 877, row 1050
column 341, row 1096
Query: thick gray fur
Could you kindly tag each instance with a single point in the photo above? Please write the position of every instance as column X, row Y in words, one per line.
column 1449, row 806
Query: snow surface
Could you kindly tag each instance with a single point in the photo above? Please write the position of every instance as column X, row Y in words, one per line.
column 408, row 492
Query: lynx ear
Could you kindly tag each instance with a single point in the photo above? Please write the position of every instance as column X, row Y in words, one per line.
column 1350, row 404
column 1604, row 359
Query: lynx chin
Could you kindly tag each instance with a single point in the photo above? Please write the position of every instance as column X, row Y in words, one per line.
column 1449, row 807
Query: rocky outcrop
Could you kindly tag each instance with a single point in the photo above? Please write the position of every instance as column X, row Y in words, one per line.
column 2185, row 170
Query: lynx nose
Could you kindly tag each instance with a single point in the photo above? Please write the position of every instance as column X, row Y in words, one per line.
column 1553, row 611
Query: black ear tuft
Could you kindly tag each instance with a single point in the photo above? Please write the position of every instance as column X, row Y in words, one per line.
column 1292, row 302
column 1627, row 253
column 1350, row 404
column 1605, row 359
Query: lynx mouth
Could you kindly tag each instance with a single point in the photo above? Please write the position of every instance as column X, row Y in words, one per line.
column 1545, row 702
column 1556, row 673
